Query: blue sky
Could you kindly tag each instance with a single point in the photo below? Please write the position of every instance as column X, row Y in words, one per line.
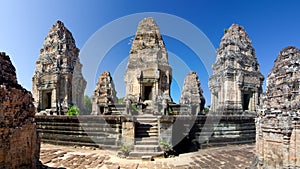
column 271, row 24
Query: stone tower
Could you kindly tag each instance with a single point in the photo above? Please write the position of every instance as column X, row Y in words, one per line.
column 57, row 82
column 236, row 83
column 278, row 122
column 148, row 74
column 192, row 93
column 104, row 94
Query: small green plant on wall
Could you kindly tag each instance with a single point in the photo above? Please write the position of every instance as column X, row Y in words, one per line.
column 73, row 111
column 125, row 150
column 134, row 107
column 167, row 149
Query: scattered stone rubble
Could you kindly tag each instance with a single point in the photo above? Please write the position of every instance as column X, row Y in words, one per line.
column 19, row 145
column 57, row 82
column 104, row 93
column 236, row 83
column 192, row 93
column 278, row 122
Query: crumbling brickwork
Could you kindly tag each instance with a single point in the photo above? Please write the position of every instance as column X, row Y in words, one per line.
column 278, row 122
column 19, row 145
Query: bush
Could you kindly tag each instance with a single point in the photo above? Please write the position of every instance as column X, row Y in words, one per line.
column 73, row 111
column 134, row 107
column 166, row 148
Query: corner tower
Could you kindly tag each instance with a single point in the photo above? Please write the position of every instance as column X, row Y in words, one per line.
column 57, row 82
column 236, row 83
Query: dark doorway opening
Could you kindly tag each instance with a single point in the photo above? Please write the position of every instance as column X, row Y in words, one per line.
column 46, row 100
column 101, row 110
column 147, row 92
column 246, row 101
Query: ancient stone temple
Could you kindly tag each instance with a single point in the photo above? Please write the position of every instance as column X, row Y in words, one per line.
column 19, row 142
column 148, row 74
column 104, row 94
column 236, row 83
column 278, row 122
column 192, row 93
column 57, row 82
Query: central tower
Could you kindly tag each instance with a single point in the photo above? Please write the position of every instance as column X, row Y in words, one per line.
column 148, row 75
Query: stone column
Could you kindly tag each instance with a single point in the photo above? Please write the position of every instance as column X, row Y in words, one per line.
column 128, row 133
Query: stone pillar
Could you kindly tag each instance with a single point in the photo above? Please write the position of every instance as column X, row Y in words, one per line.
column 128, row 133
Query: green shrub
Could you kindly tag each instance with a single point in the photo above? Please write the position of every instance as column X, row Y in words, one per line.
column 166, row 148
column 73, row 111
column 134, row 107
column 170, row 111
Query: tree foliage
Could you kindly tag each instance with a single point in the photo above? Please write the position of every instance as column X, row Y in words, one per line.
column 87, row 104
column 73, row 111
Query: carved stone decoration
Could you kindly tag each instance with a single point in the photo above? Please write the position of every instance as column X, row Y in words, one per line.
column 104, row 93
column 19, row 141
column 192, row 93
column 57, row 82
column 278, row 121
column 236, row 83
column 148, row 74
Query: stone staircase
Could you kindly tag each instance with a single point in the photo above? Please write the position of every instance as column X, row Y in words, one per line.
column 146, row 137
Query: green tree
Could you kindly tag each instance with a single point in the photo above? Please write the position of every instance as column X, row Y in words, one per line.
column 88, row 104
column 73, row 111
column 121, row 100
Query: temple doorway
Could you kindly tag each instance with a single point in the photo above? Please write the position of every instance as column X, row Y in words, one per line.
column 147, row 92
column 246, row 101
column 47, row 99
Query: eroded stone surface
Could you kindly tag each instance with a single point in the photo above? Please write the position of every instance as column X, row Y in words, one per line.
column 148, row 74
column 19, row 145
column 233, row 157
column 57, row 82
column 192, row 93
column 236, row 83
column 104, row 93
column 278, row 122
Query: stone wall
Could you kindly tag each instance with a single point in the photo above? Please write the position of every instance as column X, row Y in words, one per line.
column 106, row 131
column 208, row 131
column 19, row 143
column 95, row 131
column 278, row 121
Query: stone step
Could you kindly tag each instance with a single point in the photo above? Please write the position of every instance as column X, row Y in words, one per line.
column 146, row 120
column 134, row 155
column 149, row 132
column 76, row 124
column 146, row 148
column 79, row 133
column 79, row 129
column 145, row 142
column 75, row 138
column 146, row 134
column 146, row 127
column 70, row 143
column 147, row 139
